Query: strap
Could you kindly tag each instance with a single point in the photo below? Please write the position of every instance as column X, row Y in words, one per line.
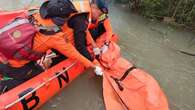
column 127, row 73
column 15, row 23
column 118, row 81
column 32, row 12
column 18, row 21
column 27, row 53
column 102, row 17
column 121, row 89
column 3, row 59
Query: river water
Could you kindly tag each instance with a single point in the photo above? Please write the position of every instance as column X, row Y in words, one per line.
column 150, row 45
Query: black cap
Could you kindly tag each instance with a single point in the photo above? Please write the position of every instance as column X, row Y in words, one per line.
column 43, row 10
column 59, row 20
column 102, row 5
column 57, row 8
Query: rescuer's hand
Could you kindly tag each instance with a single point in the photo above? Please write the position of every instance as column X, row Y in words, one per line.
column 104, row 48
column 47, row 63
column 98, row 71
column 96, row 51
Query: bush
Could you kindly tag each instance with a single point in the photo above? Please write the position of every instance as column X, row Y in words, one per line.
column 182, row 11
column 122, row 1
column 153, row 8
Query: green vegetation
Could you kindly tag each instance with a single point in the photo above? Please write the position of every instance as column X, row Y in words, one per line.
column 177, row 11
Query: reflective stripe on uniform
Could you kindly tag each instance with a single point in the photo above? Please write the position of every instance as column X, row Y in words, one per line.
column 13, row 24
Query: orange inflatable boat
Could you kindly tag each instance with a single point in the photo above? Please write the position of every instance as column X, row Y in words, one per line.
column 35, row 92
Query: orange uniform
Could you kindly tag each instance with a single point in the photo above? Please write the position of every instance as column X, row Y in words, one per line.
column 60, row 41
column 83, row 7
column 107, row 25
column 43, row 43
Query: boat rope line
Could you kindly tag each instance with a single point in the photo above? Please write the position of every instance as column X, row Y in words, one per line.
column 39, row 86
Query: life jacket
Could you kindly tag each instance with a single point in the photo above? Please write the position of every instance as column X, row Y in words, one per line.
column 101, row 19
column 16, row 37
column 3, row 59
column 106, row 35
column 83, row 7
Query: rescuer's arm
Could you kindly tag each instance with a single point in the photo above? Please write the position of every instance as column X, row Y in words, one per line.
column 67, row 49
column 108, row 29
column 82, row 37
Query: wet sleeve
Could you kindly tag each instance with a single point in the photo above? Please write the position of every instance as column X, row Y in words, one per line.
column 68, row 50
column 79, row 24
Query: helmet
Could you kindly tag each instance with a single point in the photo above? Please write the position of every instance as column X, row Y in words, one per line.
column 57, row 8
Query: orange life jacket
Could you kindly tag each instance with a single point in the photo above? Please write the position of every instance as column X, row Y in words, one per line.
column 82, row 7
column 107, row 36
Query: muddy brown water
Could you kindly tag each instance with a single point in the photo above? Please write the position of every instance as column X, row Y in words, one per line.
column 150, row 45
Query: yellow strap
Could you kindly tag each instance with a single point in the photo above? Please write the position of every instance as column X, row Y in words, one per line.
column 102, row 17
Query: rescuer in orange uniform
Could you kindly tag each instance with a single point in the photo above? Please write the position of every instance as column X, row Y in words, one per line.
column 20, row 70
column 74, row 23
column 100, row 24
